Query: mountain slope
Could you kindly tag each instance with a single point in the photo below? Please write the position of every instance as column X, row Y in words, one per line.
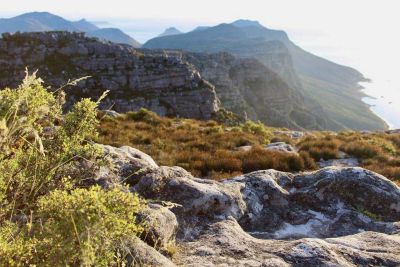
column 249, row 88
column 316, row 78
column 44, row 21
column 116, row 35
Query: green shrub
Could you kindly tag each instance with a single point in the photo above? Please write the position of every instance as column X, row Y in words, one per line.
column 257, row 128
column 144, row 115
column 44, row 219
column 16, row 248
column 39, row 146
column 86, row 227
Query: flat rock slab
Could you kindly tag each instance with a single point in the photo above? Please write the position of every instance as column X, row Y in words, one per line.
column 346, row 162
column 281, row 147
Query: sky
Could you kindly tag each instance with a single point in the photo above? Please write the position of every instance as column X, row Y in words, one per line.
column 360, row 33
column 356, row 27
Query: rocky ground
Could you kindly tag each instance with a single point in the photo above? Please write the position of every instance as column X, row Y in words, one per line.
column 331, row 217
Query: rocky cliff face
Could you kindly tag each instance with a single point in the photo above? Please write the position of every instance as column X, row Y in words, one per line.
column 160, row 82
column 246, row 86
column 331, row 217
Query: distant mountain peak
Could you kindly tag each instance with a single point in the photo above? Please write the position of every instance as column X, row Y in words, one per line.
column 170, row 31
column 45, row 21
column 38, row 14
column 247, row 23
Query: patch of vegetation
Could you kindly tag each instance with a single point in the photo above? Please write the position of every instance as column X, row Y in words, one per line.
column 48, row 217
column 378, row 152
column 58, row 63
column 210, row 149
column 205, row 148
column 323, row 148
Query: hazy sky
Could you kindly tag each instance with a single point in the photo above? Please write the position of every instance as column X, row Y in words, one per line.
column 357, row 27
column 360, row 33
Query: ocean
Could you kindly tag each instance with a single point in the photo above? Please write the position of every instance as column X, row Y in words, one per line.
column 384, row 98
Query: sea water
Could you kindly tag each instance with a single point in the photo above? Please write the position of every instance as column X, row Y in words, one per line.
column 384, row 99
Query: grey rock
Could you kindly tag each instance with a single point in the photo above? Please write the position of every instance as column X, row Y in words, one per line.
column 292, row 134
column 112, row 113
column 126, row 163
column 161, row 225
column 195, row 196
column 281, row 147
column 345, row 162
column 331, row 217
column 139, row 253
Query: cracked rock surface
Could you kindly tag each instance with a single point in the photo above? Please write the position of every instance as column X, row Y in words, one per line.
column 331, row 217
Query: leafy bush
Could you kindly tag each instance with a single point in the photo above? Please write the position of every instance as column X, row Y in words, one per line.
column 39, row 145
column 257, row 128
column 45, row 219
column 86, row 227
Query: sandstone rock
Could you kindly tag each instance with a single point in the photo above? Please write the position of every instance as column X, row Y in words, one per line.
column 281, row 147
column 124, row 164
column 196, row 196
column 360, row 188
column 112, row 113
column 139, row 253
column 161, row 225
column 345, row 162
column 244, row 148
column 292, row 134
column 228, row 244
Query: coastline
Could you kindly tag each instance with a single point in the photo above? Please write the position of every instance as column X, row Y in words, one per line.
column 381, row 103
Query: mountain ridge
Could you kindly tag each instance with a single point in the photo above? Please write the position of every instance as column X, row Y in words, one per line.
column 45, row 21
column 170, row 31
column 315, row 77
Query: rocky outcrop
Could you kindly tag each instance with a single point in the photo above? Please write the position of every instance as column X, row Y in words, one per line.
column 160, row 82
column 330, row 217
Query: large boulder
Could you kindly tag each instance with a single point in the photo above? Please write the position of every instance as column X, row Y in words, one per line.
column 196, row 197
column 358, row 188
